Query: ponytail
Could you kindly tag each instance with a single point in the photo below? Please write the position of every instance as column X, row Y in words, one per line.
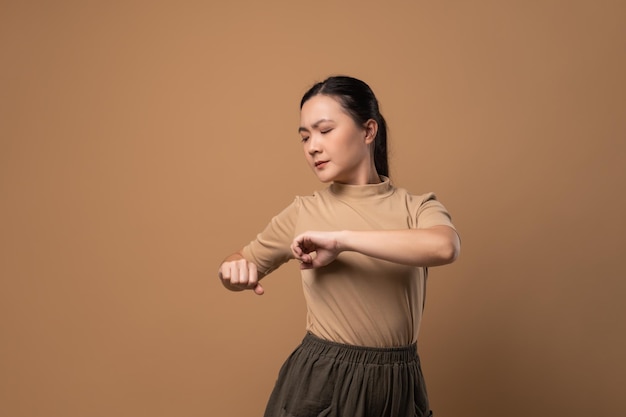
column 381, row 160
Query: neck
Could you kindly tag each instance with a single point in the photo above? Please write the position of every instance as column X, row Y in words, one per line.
column 367, row 176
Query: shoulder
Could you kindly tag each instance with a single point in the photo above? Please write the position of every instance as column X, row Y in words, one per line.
column 303, row 201
column 317, row 197
column 424, row 209
column 414, row 200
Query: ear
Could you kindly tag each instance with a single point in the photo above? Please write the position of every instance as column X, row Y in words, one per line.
column 371, row 129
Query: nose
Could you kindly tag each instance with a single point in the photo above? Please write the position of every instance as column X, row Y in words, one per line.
column 313, row 145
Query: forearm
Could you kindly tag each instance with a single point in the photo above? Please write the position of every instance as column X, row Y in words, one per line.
column 434, row 246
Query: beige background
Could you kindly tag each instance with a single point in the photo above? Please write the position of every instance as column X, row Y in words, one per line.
column 140, row 143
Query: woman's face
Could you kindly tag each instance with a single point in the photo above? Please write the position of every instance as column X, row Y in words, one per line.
column 335, row 147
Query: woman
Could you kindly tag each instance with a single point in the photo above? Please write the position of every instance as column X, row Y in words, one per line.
column 364, row 247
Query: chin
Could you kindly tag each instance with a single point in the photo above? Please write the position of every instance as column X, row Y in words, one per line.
column 324, row 179
column 323, row 176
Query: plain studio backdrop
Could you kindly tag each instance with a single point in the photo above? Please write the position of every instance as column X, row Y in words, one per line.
column 142, row 142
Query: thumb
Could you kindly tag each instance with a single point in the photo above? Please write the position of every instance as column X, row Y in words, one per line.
column 258, row 290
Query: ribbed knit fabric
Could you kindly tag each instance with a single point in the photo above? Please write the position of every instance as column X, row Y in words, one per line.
column 357, row 300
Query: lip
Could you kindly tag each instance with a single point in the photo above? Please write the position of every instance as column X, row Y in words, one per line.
column 320, row 164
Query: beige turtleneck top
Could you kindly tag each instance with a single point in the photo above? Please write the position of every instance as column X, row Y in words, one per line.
column 356, row 299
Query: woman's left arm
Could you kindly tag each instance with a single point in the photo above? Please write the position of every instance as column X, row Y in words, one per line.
column 436, row 245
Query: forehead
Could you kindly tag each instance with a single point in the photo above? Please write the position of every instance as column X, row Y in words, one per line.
column 321, row 107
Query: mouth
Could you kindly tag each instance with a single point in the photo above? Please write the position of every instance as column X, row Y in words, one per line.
column 320, row 164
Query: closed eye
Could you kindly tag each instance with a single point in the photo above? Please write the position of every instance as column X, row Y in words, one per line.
column 304, row 138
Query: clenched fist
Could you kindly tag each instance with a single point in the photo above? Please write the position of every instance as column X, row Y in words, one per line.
column 239, row 275
column 324, row 245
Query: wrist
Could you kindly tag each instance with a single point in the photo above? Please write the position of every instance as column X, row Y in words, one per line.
column 343, row 241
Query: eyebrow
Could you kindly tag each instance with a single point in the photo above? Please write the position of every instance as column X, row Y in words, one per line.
column 314, row 125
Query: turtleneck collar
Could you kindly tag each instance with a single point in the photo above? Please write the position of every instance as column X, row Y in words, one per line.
column 382, row 189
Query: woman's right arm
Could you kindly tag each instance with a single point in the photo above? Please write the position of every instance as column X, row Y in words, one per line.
column 237, row 274
column 270, row 249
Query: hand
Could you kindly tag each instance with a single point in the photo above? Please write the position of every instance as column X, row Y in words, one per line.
column 239, row 275
column 323, row 244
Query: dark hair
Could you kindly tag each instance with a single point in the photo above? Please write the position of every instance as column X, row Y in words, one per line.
column 358, row 99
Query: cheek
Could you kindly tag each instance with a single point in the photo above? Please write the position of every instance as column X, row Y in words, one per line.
column 353, row 144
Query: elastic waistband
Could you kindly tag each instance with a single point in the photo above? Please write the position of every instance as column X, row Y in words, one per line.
column 360, row 354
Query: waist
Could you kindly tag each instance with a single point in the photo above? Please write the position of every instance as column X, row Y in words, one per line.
column 360, row 354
